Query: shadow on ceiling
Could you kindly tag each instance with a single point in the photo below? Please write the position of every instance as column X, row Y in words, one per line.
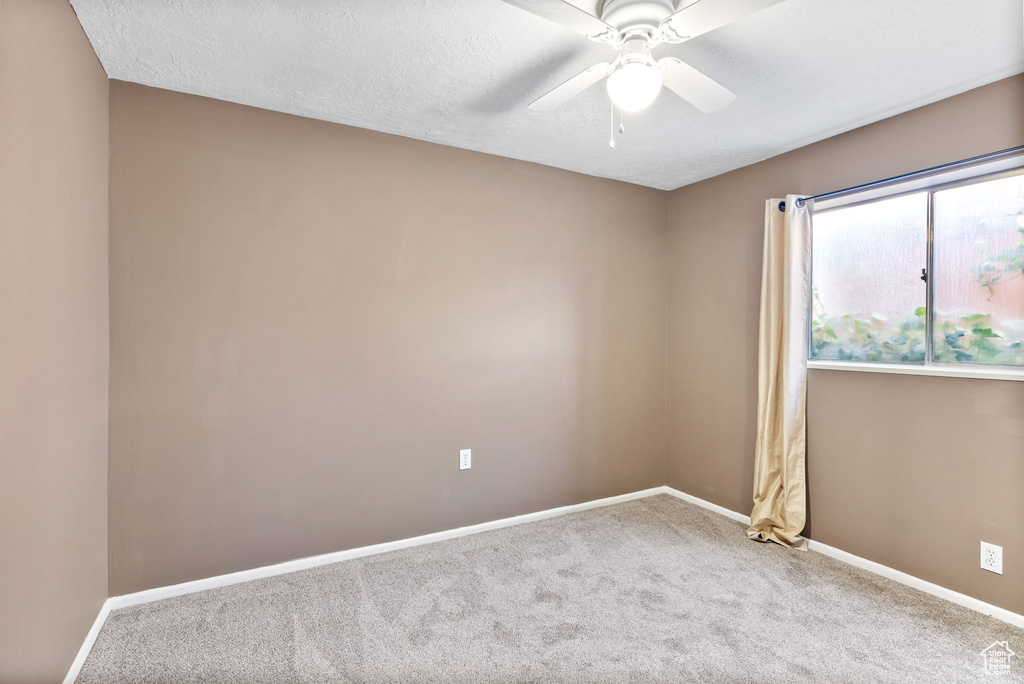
column 526, row 85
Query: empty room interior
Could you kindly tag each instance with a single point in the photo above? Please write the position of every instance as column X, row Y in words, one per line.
column 484, row 341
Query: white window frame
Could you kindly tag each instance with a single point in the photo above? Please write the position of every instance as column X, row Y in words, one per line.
column 992, row 167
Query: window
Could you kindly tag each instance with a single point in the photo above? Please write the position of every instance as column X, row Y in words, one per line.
column 979, row 273
column 928, row 273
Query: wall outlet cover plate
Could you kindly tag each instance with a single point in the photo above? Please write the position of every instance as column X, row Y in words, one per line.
column 992, row 558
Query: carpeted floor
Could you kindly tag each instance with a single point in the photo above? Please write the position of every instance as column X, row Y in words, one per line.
column 653, row 590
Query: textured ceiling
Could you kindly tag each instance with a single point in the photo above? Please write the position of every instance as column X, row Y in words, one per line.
column 462, row 72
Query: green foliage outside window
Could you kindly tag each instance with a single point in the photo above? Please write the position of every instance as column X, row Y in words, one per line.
column 872, row 338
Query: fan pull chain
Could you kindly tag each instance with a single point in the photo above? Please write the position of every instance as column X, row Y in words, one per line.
column 611, row 142
column 622, row 126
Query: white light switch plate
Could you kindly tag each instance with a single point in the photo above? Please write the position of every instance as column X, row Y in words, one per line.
column 465, row 459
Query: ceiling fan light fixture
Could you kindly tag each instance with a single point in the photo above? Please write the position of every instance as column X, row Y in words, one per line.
column 634, row 86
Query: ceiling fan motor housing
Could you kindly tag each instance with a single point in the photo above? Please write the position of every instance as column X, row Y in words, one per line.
column 636, row 16
column 636, row 48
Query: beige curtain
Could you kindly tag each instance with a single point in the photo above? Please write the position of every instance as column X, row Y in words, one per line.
column 780, row 492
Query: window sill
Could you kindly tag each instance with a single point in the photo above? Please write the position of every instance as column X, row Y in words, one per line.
column 936, row 370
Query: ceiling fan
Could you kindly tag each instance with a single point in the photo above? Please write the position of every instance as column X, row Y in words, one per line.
column 633, row 28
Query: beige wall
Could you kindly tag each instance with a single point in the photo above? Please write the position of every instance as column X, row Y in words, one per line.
column 310, row 320
column 53, row 339
column 911, row 472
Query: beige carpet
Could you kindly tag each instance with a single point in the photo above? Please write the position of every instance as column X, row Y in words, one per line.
column 654, row 590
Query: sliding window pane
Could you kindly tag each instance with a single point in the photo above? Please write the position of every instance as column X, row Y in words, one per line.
column 868, row 296
column 979, row 273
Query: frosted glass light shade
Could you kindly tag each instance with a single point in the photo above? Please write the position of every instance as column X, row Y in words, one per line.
column 634, row 86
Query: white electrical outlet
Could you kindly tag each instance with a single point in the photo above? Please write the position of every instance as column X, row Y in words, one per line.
column 465, row 459
column 992, row 558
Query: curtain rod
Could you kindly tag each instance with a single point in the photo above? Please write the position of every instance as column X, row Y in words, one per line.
column 1009, row 152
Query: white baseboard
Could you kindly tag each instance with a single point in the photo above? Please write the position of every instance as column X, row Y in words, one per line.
column 918, row 583
column 90, row 639
column 338, row 556
column 876, row 568
column 721, row 510
column 159, row 593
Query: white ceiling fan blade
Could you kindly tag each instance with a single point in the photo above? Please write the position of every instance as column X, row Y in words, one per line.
column 701, row 16
column 571, row 88
column 569, row 16
column 693, row 86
